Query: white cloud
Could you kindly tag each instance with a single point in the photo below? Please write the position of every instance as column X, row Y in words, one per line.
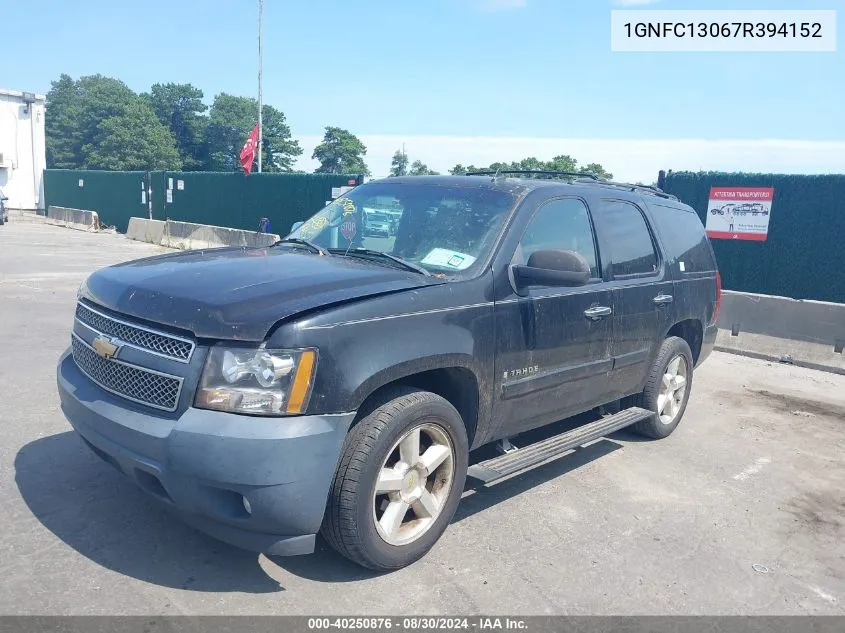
column 500, row 5
column 629, row 160
column 634, row 3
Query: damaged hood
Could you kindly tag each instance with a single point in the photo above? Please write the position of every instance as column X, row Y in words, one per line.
column 239, row 293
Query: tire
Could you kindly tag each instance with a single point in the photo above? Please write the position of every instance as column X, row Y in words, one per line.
column 372, row 448
column 656, row 391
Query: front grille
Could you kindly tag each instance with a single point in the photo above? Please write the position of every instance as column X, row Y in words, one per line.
column 157, row 342
column 133, row 383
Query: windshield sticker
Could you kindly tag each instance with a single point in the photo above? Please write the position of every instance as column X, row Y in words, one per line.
column 318, row 223
column 348, row 206
column 313, row 226
column 446, row 258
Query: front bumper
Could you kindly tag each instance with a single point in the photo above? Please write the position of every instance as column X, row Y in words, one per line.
column 203, row 464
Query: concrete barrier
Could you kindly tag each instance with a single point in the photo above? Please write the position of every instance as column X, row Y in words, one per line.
column 80, row 219
column 805, row 333
column 189, row 236
column 144, row 230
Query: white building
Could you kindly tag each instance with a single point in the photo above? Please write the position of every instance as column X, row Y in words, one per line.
column 22, row 151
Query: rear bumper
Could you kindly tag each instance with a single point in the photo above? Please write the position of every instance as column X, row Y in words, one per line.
column 707, row 343
column 204, row 464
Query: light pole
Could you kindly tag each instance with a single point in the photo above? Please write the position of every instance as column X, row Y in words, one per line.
column 260, row 96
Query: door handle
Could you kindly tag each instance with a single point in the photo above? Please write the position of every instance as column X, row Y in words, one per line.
column 599, row 312
column 662, row 300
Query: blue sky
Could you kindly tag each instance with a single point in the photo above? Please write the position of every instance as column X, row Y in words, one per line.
column 438, row 73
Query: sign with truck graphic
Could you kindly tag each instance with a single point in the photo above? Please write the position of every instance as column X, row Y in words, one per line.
column 739, row 213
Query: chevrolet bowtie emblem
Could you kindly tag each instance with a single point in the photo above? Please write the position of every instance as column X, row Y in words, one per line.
column 105, row 347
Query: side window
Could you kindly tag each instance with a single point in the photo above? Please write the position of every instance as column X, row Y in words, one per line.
column 631, row 245
column 562, row 225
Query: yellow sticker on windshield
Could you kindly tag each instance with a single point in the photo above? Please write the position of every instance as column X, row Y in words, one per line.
column 313, row 226
column 348, row 206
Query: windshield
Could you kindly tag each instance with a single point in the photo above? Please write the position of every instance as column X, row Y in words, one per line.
column 440, row 228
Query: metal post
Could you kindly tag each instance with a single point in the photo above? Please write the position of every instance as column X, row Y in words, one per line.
column 260, row 104
column 32, row 113
column 149, row 184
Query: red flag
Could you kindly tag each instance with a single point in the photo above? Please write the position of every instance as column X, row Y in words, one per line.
column 249, row 150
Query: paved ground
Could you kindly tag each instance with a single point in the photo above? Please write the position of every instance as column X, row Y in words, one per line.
column 754, row 476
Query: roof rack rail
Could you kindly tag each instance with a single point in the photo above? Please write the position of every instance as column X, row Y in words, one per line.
column 499, row 172
column 644, row 188
column 580, row 176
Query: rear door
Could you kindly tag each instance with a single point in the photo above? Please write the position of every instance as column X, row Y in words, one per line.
column 642, row 290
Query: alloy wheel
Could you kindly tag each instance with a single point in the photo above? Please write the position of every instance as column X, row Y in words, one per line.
column 413, row 484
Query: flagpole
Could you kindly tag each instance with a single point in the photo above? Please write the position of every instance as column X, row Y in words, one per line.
column 260, row 95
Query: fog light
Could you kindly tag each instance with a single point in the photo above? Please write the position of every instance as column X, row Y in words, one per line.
column 247, row 507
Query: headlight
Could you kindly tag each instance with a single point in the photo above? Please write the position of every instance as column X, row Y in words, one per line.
column 257, row 381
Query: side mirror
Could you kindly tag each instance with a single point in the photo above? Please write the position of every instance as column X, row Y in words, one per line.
column 295, row 226
column 553, row 268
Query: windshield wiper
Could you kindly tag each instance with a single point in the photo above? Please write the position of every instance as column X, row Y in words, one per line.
column 393, row 258
column 308, row 243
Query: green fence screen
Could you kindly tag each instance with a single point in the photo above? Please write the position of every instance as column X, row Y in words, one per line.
column 229, row 199
column 115, row 196
column 240, row 201
column 804, row 254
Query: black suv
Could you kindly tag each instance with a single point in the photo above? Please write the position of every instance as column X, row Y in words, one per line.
column 323, row 385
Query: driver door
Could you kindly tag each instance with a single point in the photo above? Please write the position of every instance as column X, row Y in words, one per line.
column 553, row 344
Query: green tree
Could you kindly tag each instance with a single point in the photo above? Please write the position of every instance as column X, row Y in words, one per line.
column 279, row 148
column 341, row 152
column 399, row 164
column 97, row 122
column 598, row 170
column 180, row 108
column 460, row 170
column 230, row 121
column 133, row 140
column 562, row 162
column 61, row 124
column 418, row 168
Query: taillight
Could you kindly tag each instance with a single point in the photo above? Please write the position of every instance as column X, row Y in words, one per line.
column 718, row 305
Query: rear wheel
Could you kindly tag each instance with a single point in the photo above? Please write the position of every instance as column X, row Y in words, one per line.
column 667, row 389
column 399, row 481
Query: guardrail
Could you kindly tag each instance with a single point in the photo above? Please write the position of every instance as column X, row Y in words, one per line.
column 803, row 332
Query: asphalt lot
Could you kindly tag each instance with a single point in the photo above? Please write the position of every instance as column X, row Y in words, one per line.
column 741, row 511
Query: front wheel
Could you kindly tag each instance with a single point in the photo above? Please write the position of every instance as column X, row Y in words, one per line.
column 667, row 389
column 399, row 481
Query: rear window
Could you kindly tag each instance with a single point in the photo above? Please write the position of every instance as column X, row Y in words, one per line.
column 683, row 234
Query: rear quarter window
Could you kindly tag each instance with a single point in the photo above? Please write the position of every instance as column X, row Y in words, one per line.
column 684, row 238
